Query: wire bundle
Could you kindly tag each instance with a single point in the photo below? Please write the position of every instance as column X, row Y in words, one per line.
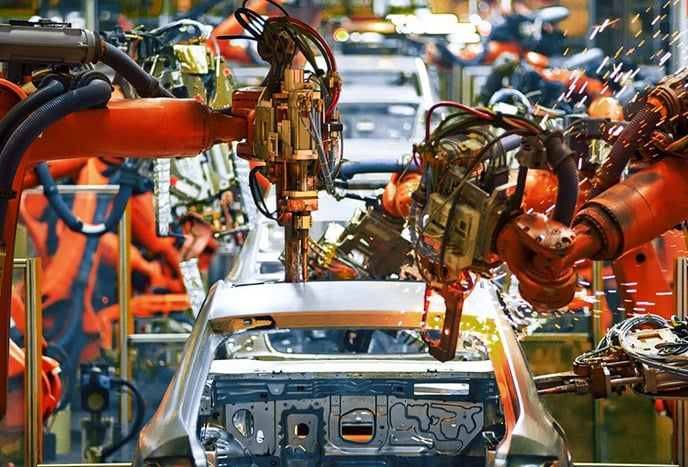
column 280, row 39
column 670, row 356
column 439, row 153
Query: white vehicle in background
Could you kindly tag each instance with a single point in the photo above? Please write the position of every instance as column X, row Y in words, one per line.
column 394, row 71
column 383, row 107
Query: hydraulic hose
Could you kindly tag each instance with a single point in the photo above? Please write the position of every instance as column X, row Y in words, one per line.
column 563, row 160
column 145, row 84
column 51, row 87
column 638, row 130
column 567, row 191
column 94, row 93
column 127, row 182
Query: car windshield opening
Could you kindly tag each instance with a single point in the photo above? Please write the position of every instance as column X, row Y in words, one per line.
column 342, row 342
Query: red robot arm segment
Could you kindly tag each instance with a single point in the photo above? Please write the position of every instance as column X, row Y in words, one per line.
column 640, row 208
column 542, row 252
column 538, row 252
column 163, row 128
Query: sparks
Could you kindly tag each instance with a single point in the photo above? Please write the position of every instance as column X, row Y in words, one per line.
column 598, row 28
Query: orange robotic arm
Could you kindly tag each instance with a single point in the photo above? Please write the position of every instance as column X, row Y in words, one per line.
column 542, row 252
column 618, row 216
column 163, row 128
column 140, row 128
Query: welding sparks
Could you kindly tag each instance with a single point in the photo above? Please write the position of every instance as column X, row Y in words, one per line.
column 664, row 58
column 602, row 65
column 598, row 28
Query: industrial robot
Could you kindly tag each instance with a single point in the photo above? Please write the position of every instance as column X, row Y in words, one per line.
column 487, row 191
column 59, row 106
column 470, row 216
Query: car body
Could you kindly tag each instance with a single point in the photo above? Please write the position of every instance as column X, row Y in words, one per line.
column 337, row 373
column 386, row 99
column 394, row 71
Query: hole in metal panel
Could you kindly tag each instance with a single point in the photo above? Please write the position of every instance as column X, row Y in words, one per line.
column 357, row 426
column 243, row 422
column 301, row 430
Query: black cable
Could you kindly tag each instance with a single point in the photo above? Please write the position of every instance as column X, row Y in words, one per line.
column 145, row 84
column 137, row 424
column 238, row 36
column 257, row 196
column 631, row 138
column 50, row 87
column 244, row 16
column 127, row 182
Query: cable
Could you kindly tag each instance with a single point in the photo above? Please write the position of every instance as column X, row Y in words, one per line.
column 140, row 408
column 50, row 87
column 257, row 195
column 144, row 83
column 267, row 35
column 127, row 182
